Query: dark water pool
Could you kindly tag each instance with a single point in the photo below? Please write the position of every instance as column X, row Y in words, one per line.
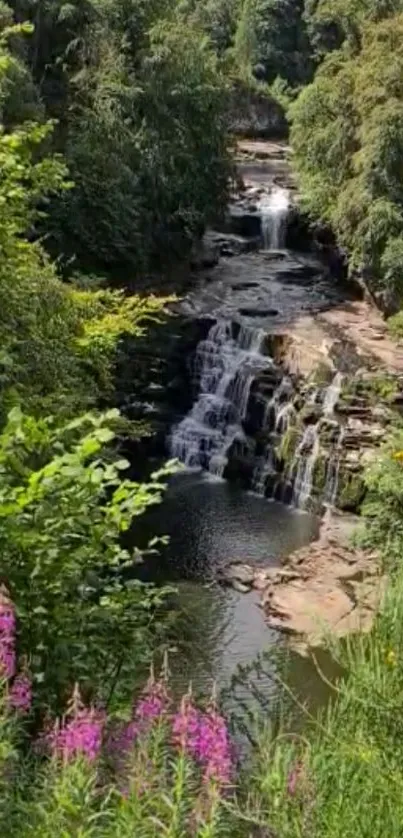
column 209, row 523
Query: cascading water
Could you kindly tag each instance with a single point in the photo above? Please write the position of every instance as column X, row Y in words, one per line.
column 306, row 456
column 274, row 210
column 225, row 367
column 308, row 450
column 333, row 473
column 226, row 364
column 277, row 418
column 332, row 395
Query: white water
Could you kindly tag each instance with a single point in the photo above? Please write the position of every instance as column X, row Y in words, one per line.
column 277, row 418
column 225, row 368
column 306, row 456
column 274, row 210
column 332, row 395
column 333, row 473
column 308, row 452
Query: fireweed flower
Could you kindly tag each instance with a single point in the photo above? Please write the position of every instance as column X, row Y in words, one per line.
column 152, row 704
column 20, row 694
column 214, row 748
column 205, row 738
column 186, row 727
column 80, row 733
column 150, row 707
column 7, row 638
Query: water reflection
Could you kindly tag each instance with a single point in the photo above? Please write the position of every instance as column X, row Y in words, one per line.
column 210, row 523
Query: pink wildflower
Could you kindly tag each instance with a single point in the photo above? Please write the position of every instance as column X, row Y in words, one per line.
column 186, row 727
column 20, row 694
column 80, row 733
column 7, row 638
column 214, row 746
column 204, row 737
column 152, row 704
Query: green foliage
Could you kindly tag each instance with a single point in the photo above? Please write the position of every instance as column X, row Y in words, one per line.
column 383, row 504
column 347, row 141
column 140, row 102
column 64, row 506
column 271, row 41
column 336, row 778
column 154, row 785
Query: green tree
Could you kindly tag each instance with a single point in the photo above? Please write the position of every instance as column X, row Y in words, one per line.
column 64, row 506
column 347, row 140
column 149, row 156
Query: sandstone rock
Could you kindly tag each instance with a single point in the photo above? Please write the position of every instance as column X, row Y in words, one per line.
column 330, row 587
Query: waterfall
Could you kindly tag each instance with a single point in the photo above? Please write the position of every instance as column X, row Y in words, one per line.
column 308, row 450
column 332, row 395
column 277, row 418
column 225, row 368
column 333, row 472
column 264, row 469
column 274, row 211
column 306, row 456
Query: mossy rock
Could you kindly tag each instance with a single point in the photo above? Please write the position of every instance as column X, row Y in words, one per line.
column 322, row 375
column 351, row 492
column 288, row 445
column 319, row 475
column 310, row 414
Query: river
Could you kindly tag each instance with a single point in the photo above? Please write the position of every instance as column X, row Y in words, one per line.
column 211, row 522
column 243, row 405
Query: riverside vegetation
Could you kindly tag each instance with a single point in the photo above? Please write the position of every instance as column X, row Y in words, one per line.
column 113, row 146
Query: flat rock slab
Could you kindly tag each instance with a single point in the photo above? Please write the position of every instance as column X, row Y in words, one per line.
column 327, row 587
column 308, row 610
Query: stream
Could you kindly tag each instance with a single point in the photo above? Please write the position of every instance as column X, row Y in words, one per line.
column 209, row 523
column 237, row 499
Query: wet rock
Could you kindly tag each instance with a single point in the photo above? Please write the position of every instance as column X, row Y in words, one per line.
column 258, row 312
column 205, row 254
column 240, row 587
column 230, row 244
column 242, row 572
column 243, row 222
column 244, row 286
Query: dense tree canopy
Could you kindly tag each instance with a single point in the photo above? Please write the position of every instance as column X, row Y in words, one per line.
column 347, row 139
column 135, row 88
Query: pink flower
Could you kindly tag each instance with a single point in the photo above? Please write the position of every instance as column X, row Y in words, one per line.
column 204, row 737
column 80, row 733
column 152, row 704
column 215, row 749
column 186, row 727
column 20, row 694
column 7, row 638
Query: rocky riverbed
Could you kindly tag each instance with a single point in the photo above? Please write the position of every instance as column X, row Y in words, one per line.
column 279, row 376
column 326, row 587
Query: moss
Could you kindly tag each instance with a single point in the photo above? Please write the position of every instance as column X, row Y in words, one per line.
column 383, row 387
column 288, row 444
column 319, row 475
column 375, row 388
column 322, row 375
column 351, row 492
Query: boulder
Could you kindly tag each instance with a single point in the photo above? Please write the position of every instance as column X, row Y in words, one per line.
column 238, row 572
